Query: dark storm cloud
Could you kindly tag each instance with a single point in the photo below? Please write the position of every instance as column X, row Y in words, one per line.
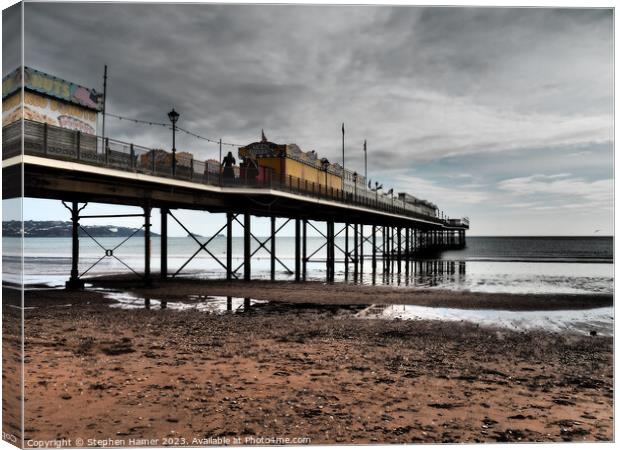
column 418, row 83
column 473, row 108
column 11, row 37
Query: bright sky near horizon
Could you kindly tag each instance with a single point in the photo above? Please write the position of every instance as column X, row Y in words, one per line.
column 504, row 115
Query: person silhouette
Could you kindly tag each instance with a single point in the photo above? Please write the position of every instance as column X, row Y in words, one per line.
column 228, row 163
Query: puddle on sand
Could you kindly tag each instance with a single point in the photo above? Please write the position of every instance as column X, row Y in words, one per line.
column 585, row 321
column 210, row 304
column 598, row 320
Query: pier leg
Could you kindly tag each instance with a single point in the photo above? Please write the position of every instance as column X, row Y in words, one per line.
column 304, row 249
column 297, row 250
column 386, row 249
column 361, row 249
column 229, row 267
column 406, row 252
column 330, row 251
column 247, row 268
column 374, row 248
column 346, row 251
column 163, row 272
column 392, row 249
column 273, row 249
column 355, row 252
column 399, row 250
column 147, row 245
column 74, row 282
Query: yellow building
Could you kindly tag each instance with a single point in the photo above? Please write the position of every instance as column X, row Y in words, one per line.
column 288, row 164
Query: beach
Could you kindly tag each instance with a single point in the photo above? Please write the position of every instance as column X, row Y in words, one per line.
column 303, row 367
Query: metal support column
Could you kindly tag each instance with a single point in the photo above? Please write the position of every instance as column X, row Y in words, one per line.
column 304, row 249
column 330, row 251
column 407, row 244
column 163, row 272
column 147, row 244
column 346, row 251
column 386, row 249
column 374, row 248
column 355, row 251
column 247, row 251
column 361, row 248
column 229, row 267
column 297, row 250
column 74, row 282
column 273, row 249
column 399, row 250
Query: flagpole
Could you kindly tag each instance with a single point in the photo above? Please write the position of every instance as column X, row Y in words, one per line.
column 343, row 174
column 365, row 161
column 105, row 93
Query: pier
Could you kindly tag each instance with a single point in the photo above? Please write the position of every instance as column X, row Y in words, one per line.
column 78, row 168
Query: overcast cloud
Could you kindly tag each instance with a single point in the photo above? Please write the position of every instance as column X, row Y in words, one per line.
column 472, row 108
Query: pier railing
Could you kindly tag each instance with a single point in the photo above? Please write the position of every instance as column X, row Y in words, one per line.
column 50, row 141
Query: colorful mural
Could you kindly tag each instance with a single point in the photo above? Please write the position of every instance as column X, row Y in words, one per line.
column 52, row 86
column 47, row 110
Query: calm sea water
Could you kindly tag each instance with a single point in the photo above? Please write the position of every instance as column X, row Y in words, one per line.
column 488, row 264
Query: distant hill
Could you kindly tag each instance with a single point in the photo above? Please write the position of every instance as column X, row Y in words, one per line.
column 57, row 228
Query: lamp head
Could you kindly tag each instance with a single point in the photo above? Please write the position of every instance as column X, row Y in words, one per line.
column 173, row 116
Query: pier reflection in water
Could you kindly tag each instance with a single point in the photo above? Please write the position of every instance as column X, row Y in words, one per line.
column 427, row 273
column 203, row 303
column 596, row 320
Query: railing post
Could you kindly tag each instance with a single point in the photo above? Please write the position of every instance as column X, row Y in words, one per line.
column 45, row 138
column 132, row 156
column 77, row 146
column 107, row 150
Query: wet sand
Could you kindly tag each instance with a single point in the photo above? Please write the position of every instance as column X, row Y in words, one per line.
column 95, row 372
column 351, row 294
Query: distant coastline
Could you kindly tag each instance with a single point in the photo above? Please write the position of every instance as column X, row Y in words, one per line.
column 57, row 228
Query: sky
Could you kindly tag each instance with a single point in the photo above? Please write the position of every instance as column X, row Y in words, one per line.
column 502, row 115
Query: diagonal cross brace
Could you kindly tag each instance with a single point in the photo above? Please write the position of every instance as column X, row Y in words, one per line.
column 363, row 239
column 263, row 244
column 201, row 246
column 325, row 243
column 109, row 253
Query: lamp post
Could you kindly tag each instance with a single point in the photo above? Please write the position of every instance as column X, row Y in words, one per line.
column 355, row 185
column 325, row 166
column 174, row 116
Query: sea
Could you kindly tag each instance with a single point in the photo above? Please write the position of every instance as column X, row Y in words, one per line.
column 521, row 265
column 541, row 265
